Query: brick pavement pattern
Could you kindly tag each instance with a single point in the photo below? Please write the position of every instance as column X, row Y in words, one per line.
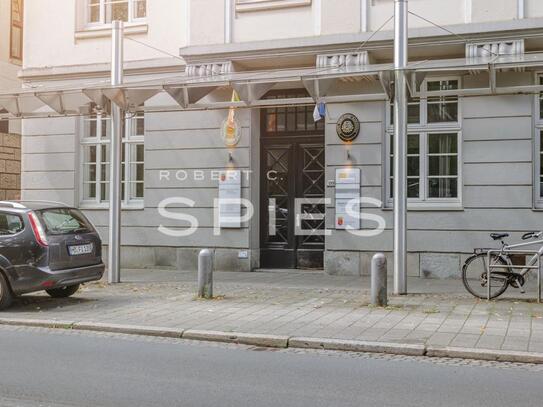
column 301, row 304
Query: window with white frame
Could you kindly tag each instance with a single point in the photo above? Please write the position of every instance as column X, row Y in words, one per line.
column 95, row 156
column 106, row 11
column 433, row 146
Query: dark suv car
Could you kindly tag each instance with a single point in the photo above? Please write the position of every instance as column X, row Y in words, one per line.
column 46, row 246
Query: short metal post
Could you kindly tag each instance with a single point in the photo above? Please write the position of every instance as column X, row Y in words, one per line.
column 205, row 274
column 539, row 279
column 488, row 276
column 379, row 280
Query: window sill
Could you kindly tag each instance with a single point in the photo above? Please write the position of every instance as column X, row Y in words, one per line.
column 264, row 5
column 102, row 31
column 105, row 207
column 424, row 207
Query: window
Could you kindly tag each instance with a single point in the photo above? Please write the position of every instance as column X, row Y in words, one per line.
column 432, row 166
column 106, row 11
column 436, row 110
column 10, row 224
column 16, row 30
column 64, row 221
column 95, row 143
column 442, row 108
column 433, row 146
column 282, row 121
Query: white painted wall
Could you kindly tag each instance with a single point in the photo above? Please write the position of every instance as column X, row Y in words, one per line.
column 51, row 40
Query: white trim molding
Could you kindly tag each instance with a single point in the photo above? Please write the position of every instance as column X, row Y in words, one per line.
column 263, row 5
column 468, row 10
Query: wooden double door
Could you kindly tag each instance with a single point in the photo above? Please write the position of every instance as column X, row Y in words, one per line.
column 292, row 167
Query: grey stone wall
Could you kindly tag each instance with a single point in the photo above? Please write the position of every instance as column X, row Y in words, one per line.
column 10, row 166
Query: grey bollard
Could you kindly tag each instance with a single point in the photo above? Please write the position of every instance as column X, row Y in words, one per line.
column 379, row 280
column 205, row 274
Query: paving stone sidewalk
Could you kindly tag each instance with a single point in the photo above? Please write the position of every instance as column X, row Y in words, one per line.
column 301, row 304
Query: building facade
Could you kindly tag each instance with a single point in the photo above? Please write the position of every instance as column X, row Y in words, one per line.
column 474, row 161
column 11, row 42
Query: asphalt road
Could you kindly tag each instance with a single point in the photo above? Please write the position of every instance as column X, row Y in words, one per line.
column 62, row 368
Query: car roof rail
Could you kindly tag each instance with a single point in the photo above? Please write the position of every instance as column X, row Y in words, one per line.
column 12, row 204
column 40, row 201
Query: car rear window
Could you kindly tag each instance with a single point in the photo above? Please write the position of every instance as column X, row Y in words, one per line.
column 60, row 221
column 10, row 224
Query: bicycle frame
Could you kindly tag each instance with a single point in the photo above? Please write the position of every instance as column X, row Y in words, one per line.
column 533, row 264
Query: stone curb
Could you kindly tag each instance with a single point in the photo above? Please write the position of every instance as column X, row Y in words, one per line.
column 270, row 341
column 280, row 341
column 357, row 346
column 129, row 329
column 485, row 354
column 40, row 323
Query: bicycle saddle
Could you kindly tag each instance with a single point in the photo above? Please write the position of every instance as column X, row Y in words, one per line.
column 498, row 236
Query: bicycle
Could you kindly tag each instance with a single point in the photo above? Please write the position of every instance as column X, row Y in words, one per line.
column 475, row 272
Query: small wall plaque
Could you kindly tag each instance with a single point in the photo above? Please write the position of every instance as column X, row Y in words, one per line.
column 348, row 127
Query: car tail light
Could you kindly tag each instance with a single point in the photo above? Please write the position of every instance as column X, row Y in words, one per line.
column 37, row 228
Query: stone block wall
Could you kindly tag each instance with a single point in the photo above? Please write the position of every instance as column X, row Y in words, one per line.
column 10, row 166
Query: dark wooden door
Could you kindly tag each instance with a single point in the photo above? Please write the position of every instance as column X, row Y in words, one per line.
column 292, row 167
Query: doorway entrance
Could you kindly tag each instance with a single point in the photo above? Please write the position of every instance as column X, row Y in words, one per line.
column 292, row 166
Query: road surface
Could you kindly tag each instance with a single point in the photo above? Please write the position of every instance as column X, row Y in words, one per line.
column 41, row 367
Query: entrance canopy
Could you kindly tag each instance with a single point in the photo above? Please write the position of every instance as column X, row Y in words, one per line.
column 330, row 85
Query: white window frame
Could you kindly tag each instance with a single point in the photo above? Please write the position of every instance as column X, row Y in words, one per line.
column 102, row 23
column 538, row 128
column 423, row 129
column 129, row 141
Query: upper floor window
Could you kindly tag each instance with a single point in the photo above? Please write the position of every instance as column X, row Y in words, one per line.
column 16, row 30
column 106, row 11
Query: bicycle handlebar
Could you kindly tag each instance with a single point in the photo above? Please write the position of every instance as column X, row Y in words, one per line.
column 532, row 235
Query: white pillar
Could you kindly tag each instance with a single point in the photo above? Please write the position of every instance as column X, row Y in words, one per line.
column 400, row 147
column 117, row 119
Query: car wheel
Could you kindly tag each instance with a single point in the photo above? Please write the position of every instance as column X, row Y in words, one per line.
column 63, row 292
column 6, row 296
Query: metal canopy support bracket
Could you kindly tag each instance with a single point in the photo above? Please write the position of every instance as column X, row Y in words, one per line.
column 251, row 92
column 11, row 104
column 188, row 95
column 64, row 102
column 98, row 98
column 318, row 88
column 129, row 99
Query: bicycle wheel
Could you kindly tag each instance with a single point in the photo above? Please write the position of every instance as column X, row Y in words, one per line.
column 474, row 276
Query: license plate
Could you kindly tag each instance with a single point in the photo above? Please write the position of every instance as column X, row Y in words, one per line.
column 80, row 249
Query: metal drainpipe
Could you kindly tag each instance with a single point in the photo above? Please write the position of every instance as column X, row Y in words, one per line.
column 117, row 119
column 400, row 147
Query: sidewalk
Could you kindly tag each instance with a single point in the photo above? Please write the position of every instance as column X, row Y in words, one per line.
column 302, row 309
